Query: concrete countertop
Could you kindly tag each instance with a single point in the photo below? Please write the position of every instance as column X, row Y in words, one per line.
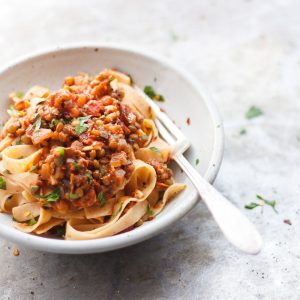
column 247, row 53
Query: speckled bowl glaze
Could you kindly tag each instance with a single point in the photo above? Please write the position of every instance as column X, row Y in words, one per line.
column 185, row 98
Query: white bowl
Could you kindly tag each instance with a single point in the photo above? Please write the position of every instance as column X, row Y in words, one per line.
column 184, row 98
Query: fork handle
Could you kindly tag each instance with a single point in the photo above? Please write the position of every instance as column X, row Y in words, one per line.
column 235, row 226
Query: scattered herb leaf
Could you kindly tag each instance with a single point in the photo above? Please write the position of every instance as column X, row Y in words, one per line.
column 37, row 124
column 60, row 231
column 119, row 210
column 150, row 212
column 102, row 171
column 90, row 178
column 34, row 188
column 101, row 199
column 61, row 152
column 2, row 183
column 33, row 168
column 243, row 131
column 32, row 221
column 73, row 196
column 264, row 202
column 51, row 197
column 154, row 149
column 82, row 126
column 252, row 205
column 18, row 141
column 197, row 161
column 253, row 112
column 145, row 137
column 149, row 91
column 76, row 166
column 20, row 94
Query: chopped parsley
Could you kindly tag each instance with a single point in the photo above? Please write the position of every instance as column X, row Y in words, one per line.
column 60, row 231
column 82, row 126
column 252, row 205
column 20, row 94
column 89, row 177
column 76, row 166
column 197, row 161
column 73, row 196
column 101, row 199
column 174, row 36
column 53, row 123
column 12, row 110
column 37, row 124
column 34, row 188
column 243, row 131
column 150, row 212
column 18, row 141
column 262, row 203
column 33, row 168
column 119, row 210
column 271, row 203
column 145, row 137
column 253, row 112
column 2, row 183
column 154, row 149
column 149, row 91
column 61, row 152
column 51, row 197
column 102, row 171
column 32, row 221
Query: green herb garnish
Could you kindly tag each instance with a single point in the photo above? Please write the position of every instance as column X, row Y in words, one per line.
column 61, row 152
column 19, row 94
column 149, row 212
column 33, row 168
column 53, row 123
column 149, row 91
column 145, row 137
column 32, row 221
column 2, row 183
column 253, row 112
column 101, row 199
column 243, row 131
column 271, row 203
column 37, row 124
column 60, row 231
column 119, row 210
column 154, row 149
column 89, row 177
column 252, row 205
column 82, row 126
column 15, row 112
column 197, row 161
column 73, row 196
column 102, row 171
column 18, row 141
column 34, row 188
column 51, row 197
column 76, row 166
column 263, row 202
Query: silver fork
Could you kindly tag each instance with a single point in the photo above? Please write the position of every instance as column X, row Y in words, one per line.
column 236, row 227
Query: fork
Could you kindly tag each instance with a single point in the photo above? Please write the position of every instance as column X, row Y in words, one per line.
column 238, row 230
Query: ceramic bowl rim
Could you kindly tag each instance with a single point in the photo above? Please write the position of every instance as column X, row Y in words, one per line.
column 141, row 233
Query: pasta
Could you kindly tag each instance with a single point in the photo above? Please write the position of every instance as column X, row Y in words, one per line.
column 84, row 161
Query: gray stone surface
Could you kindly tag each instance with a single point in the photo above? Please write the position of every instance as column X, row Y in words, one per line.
column 247, row 53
